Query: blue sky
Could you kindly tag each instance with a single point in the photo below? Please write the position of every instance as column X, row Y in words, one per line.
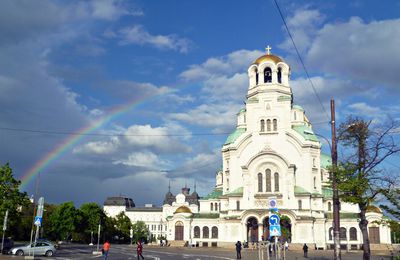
column 64, row 64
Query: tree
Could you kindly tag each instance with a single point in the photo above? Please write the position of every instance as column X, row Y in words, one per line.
column 92, row 216
column 63, row 221
column 11, row 198
column 140, row 231
column 360, row 178
column 123, row 225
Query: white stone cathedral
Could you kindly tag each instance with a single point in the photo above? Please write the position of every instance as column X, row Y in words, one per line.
column 272, row 153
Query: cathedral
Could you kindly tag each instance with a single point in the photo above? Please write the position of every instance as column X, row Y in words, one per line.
column 272, row 155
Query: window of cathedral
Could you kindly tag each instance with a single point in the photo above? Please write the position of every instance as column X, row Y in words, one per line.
column 267, row 75
column 295, row 116
column 214, row 232
column 237, row 205
column 275, row 125
column 262, row 125
column 219, row 206
column 276, row 181
column 315, row 183
column 279, row 75
column 300, row 204
column 196, row 232
column 329, row 206
column 343, row 233
column 260, row 182
column 216, row 206
column 313, row 162
column 268, row 125
column 268, row 180
column 206, row 232
column 330, row 233
column 256, row 77
column 211, row 207
column 353, row 233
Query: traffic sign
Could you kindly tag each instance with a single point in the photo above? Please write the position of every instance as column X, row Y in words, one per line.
column 5, row 221
column 274, row 220
column 275, row 231
column 273, row 204
column 39, row 212
column 38, row 221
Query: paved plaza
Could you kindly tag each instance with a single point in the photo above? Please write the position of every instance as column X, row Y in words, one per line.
column 123, row 252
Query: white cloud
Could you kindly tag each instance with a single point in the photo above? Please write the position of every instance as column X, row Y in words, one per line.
column 112, row 9
column 137, row 34
column 144, row 159
column 98, row 147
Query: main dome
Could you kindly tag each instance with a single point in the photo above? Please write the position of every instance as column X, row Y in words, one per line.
column 268, row 57
column 183, row 209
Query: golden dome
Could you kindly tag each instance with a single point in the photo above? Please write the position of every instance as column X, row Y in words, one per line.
column 183, row 209
column 372, row 208
column 268, row 57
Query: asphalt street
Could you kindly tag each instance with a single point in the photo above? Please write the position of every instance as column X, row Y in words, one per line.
column 124, row 252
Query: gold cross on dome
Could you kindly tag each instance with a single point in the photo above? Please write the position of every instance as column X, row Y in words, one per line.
column 268, row 50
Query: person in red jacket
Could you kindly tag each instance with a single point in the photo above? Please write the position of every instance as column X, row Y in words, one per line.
column 139, row 250
column 106, row 248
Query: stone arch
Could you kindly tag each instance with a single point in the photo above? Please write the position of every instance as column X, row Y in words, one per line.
column 252, row 229
column 179, row 230
column 196, row 232
column 206, row 232
column 267, row 72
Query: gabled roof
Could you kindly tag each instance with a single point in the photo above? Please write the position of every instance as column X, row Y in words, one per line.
column 236, row 192
column 306, row 132
column 234, row 135
column 214, row 194
column 301, row 191
column 326, row 160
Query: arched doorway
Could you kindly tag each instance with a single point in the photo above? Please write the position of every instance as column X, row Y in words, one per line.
column 266, row 228
column 286, row 228
column 179, row 230
column 252, row 229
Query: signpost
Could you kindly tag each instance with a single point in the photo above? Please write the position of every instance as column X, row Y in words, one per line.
column 274, row 223
column 4, row 230
column 38, row 221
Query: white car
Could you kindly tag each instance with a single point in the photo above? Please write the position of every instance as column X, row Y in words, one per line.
column 41, row 248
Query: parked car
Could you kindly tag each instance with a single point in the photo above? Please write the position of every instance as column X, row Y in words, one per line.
column 7, row 245
column 57, row 246
column 40, row 248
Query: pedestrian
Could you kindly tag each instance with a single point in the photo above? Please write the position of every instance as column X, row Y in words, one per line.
column 286, row 246
column 238, row 250
column 106, row 248
column 305, row 249
column 139, row 250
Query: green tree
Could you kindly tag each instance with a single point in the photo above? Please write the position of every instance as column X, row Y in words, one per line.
column 11, row 199
column 360, row 175
column 140, row 231
column 63, row 221
column 123, row 225
column 92, row 216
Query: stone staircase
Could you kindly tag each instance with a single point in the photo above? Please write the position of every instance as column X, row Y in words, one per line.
column 176, row 243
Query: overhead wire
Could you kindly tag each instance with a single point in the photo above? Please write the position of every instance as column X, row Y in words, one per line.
column 301, row 60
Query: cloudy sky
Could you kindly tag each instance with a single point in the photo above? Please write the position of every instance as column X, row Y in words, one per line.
column 178, row 70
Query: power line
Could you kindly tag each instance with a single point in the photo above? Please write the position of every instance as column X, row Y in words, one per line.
column 100, row 134
column 301, row 60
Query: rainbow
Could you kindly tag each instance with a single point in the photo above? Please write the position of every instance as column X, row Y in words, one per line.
column 74, row 138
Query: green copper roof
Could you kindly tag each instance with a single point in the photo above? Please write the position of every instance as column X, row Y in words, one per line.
column 242, row 110
column 252, row 100
column 300, row 191
column 214, row 194
column 346, row 215
column 326, row 160
column 327, row 192
column 298, row 107
column 284, row 98
column 205, row 215
column 305, row 132
column 238, row 191
column 235, row 135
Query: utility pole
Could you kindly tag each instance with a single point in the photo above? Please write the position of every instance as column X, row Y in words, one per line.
column 336, row 202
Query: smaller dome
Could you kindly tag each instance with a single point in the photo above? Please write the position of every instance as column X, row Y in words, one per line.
column 183, row 209
column 372, row 208
column 268, row 57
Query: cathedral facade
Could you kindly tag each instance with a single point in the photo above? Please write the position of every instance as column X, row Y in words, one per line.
column 273, row 154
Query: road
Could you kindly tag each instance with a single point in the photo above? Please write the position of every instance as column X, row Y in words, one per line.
column 124, row 252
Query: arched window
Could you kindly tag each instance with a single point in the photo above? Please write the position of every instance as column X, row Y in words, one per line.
column 267, row 75
column 329, row 206
column 315, row 182
column 330, row 233
column 268, row 180
column 216, row 206
column 275, row 124
column 353, row 233
column 259, row 176
column 237, row 205
column 276, row 181
column 212, row 207
column 300, row 205
column 219, row 206
column 268, row 125
column 295, row 116
column 342, row 234
column 262, row 125
column 206, row 232
column 214, row 232
column 256, row 77
column 279, row 75
column 196, row 232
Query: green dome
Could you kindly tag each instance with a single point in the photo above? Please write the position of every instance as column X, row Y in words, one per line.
column 234, row 135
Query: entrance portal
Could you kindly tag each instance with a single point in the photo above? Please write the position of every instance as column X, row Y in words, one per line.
column 252, row 229
column 179, row 231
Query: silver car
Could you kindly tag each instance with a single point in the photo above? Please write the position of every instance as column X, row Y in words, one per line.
column 41, row 248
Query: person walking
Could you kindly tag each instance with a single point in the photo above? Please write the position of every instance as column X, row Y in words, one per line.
column 305, row 250
column 106, row 248
column 139, row 250
column 238, row 250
